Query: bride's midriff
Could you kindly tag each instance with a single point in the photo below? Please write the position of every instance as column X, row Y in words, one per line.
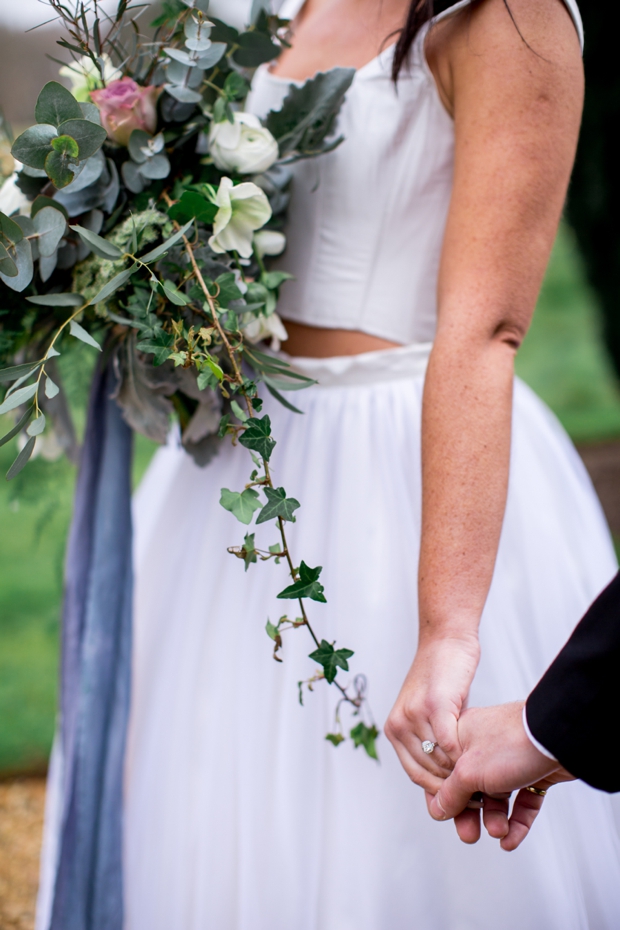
column 319, row 342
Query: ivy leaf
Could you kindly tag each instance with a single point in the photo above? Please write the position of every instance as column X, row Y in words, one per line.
column 254, row 49
column 278, row 505
column 158, row 345
column 56, row 104
column 193, row 205
column 331, row 659
column 306, row 586
column 241, row 505
column 366, row 736
column 80, row 333
column 21, row 459
column 335, row 738
column 256, row 437
column 249, row 550
column 272, row 631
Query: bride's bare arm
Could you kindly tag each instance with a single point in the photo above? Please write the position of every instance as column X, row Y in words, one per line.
column 516, row 101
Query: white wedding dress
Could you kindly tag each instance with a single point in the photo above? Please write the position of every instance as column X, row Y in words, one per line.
column 239, row 815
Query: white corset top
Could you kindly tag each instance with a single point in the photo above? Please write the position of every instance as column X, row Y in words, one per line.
column 366, row 221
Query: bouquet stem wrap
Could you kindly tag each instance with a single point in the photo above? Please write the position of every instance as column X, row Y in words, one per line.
column 95, row 684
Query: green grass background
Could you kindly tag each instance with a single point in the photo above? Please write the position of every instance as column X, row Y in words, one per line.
column 563, row 359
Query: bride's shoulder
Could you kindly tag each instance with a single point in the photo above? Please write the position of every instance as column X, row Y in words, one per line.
column 505, row 33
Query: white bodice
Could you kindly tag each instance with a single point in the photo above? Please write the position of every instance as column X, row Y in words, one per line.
column 366, row 222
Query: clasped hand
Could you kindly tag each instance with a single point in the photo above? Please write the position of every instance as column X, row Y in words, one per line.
column 479, row 750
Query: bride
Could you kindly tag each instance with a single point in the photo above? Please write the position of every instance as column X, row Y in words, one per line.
column 455, row 522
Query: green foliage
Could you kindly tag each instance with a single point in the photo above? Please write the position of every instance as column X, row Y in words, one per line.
column 331, row 659
column 257, row 437
column 241, row 505
column 365, row 736
column 278, row 505
column 308, row 114
column 307, row 585
column 335, row 738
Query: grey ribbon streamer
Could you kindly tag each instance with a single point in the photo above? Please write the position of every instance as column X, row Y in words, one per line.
column 95, row 674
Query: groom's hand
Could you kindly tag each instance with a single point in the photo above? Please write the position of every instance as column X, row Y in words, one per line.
column 497, row 758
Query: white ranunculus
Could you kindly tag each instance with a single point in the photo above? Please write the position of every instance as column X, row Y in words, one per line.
column 244, row 146
column 265, row 327
column 243, row 208
column 12, row 199
column 85, row 75
column 269, row 242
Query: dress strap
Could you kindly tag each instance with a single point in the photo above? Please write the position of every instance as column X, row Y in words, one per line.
column 287, row 9
column 571, row 6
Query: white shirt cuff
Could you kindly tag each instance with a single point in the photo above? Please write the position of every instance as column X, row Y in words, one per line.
column 533, row 741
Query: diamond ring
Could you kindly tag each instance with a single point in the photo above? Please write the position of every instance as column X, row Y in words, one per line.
column 428, row 746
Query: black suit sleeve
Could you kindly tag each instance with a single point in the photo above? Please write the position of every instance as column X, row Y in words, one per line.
column 574, row 710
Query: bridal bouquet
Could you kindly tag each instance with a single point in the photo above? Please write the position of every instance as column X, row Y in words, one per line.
column 141, row 219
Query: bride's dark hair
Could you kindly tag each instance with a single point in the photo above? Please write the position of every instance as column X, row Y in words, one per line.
column 419, row 13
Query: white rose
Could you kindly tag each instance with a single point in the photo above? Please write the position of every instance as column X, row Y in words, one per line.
column 244, row 146
column 243, row 208
column 264, row 327
column 269, row 242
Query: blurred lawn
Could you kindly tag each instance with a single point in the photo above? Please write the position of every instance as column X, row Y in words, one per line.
column 562, row 359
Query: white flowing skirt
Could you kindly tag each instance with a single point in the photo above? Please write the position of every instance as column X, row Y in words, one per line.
column 239, row 815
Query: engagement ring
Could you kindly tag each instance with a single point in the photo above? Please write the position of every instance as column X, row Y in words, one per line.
column 541, row 792
column 428, row 746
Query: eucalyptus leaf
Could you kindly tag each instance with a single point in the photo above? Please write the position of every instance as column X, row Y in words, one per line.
column 89, row 136
column 47, row 266
column 156, row 253
column 18, row 397
column 57, row 166
column 56, row 104
column 57, row 300
column 117, row 281
column 283, row 400
column 18, row 426
column 100, row 246
column 42, row 201
column 34, row 145
column 21, row 459
column 10, row 231
column 80, row 333
column 211, row 57
column 50, row 224
column 26, row 225
column 16, row 371
column 8, row 268
column 91, row 112
column 37, row 426
column 25, row 269
column 51, row 389
column 132, row 177
column 156, row 168
column 183, row 94
column 138, row 140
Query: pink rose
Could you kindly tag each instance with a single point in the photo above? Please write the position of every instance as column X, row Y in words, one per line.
column 126, row 106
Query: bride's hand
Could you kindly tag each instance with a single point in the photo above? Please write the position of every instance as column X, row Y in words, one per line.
column 428, row 707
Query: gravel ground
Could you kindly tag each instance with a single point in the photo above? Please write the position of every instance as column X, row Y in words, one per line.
column 21, row 823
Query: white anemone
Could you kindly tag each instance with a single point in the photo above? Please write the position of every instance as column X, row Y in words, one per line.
column 269, row 242
column 243, row 208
